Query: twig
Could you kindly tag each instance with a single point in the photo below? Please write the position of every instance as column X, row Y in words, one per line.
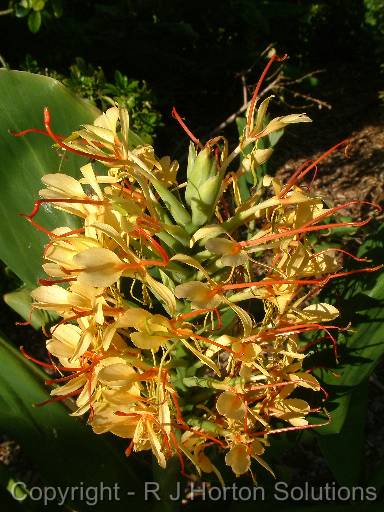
column 3, row 62
column 307, row 75
column 6, row 11
column 296, row 94
column 230, row 119
column 279, row 83
column 376, row 382
column 245, row 92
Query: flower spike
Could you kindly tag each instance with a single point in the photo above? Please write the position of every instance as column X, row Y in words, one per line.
column 185, row 311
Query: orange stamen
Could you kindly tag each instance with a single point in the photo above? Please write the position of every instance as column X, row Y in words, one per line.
column 194, row 139
column 299, row 231
column 58, row 398
column 39, row 202
column 46, row 365
column 331, row 249
column 252, row 104
column 337, row 208
column 57, row 139
column 299, row 175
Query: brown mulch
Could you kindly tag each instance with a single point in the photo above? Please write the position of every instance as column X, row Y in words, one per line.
column 357, row 176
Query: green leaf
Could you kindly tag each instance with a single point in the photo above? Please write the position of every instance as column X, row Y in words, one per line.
column 57, row 6
column 174, row 206
column 38, row 5
column 364, row 348
column 26, row 159
column 64, row 451
column 346, row 463
column 337, row 407
column 34, row 21
column 21, row 11
column 21, row 302
column 363, row 299
column 274, row 137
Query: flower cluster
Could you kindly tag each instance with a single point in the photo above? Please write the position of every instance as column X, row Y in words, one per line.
column 181, row 304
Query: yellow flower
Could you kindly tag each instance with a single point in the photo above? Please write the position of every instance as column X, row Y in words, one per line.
column 98, row 267
column 230, row 405
column 200, row 294
column 230, row 252
column 239, row 459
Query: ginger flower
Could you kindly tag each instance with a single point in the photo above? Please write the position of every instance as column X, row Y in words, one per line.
column 239, row 456
column 230, row 405
column 98, row 267
column 169, row 334
column 77, row 299
column 152, row 331
column 230, row 251
column 200, row 294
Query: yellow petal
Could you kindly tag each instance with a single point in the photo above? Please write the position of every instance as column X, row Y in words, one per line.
column 116, row 375
column 280, row 122
column 156, row 445
column 101, row 267
column 147, row 342
column 230, row 405
column 51, row 296
column 246, row 351
column 321, row 312
column 84, row 342
column 220, row 246
column 53, row 270
column 257, row 447
column 238, row 459
column 198, row 293
column 65, row 337
column 89, row 174
column 309, row 380
column 295, row 405
column 134, row 317
column 105, row 420
column 72, row 385
column 206, row 232
column 108, row 119
column 102, row 134
column 64, row 184
column 234, row 260
column 298, row 422
column 164, row 294
column 120, row 397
